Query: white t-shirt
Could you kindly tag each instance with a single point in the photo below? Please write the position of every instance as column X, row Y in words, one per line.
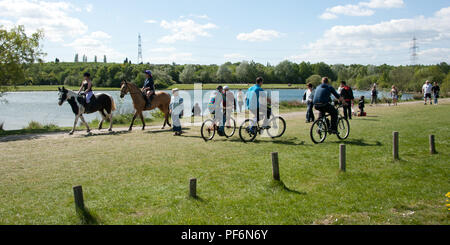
column 427, row 88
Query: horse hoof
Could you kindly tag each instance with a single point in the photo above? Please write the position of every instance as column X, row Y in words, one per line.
column 130, row 129
column 110, row 130
column 70, row 133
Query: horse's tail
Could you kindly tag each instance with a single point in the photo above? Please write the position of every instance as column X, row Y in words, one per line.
column 113, row 104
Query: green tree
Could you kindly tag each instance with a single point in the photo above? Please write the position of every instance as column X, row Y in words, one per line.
column 104, row 59
column 17, row 52
column 76, row 58
column 188, row 74
column 305, row 71
column 287, row 72
column 224, row 74
column 315, row 80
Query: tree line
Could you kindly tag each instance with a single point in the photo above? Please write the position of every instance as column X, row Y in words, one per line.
column 405, row 78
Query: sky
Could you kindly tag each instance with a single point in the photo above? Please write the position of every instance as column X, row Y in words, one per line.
column 216, row 31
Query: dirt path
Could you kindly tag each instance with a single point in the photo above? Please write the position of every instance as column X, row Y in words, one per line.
column 82, row 133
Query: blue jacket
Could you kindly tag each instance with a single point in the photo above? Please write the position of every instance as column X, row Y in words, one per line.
column 253, row 97
column 323, row 94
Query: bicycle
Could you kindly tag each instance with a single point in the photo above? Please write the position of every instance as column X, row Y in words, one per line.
column 275, row 129
column 209, row 128
column 321, row 127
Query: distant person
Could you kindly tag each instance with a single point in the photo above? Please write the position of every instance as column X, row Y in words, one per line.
column 374, row 93
column 322, row 102
column 426, row 90
column 176, row 108
column 308, row 98
column 394, row 95
column 240, row 99
column 436, row 89
column 196, row 110
column 361, row 106
column 347, row 94
column 86, row 90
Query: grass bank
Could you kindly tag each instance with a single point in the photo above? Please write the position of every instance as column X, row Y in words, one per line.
column 143, row 177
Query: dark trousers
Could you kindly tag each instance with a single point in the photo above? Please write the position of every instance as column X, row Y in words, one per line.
column 333, row 113
column 309, row 112
column 348, row 110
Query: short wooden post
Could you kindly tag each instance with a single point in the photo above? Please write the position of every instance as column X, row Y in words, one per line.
column 275, row 166
column 395, row 146
column 342, row 158
column 193, row 188
column 78, row 195
column 432, row 145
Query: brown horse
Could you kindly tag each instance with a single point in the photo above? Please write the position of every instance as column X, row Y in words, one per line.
column 160, row 100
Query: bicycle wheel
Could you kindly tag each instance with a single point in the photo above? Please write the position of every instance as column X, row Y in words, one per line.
column 343, row 129
column 277, row 127
column 230, row 128
column 248, row 132
column 208, row 130
column 319, row 131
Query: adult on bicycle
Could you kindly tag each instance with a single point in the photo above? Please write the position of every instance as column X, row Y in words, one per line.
column 257, row 102
column 322, row 102
column 216, row 108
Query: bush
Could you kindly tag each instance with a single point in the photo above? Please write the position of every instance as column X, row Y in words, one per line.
column 291, row 104
column 33, row 125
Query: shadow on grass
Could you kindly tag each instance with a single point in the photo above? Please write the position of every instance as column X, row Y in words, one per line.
column 106, row 133
column 358, row 142
column 150, row 131
column 280, row 185
column 281, row 141
column 86, row 217
column 197, row 198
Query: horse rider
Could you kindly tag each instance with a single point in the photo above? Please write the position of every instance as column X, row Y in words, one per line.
column 86, row 90
column 149, row 87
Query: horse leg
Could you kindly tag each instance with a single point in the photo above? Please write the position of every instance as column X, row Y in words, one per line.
column 85, row 123
column 102, row 113
column 132, row 121
column 110, row 121
column 166, row 117
column 74, row 124
column 142, row 119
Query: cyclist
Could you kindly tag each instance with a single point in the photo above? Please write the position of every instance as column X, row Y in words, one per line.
column 322, row 102
column 257, row 103
column 215, row 107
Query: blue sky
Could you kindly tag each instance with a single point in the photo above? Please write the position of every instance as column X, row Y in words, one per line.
column 213, row 32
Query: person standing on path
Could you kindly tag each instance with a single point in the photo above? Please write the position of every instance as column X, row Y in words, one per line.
column 308, row 98
column 426, row 90
column 436, row 89
column 347, row 94
column 240, row 99
column 176, row 108
column 394, row 95
column 374, row 94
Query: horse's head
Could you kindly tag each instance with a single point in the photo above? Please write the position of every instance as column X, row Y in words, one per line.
column 62, row 95
column 123, row 89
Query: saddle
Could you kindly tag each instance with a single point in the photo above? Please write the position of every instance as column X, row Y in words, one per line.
column 81, row 98
column 148, row 102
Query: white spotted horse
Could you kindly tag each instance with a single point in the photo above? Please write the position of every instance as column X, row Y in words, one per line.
column 102, row 103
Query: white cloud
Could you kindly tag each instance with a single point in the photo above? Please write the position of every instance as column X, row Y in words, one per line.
column 52, row 17
column 259, row 35
column 384, row 42
column 185, row 30
column 360, row 9
column 163, row 50
column 151, row 21
column 203, row 16
column 173, row 57
column 235, row 56
column 95, row 44
column 89, row 8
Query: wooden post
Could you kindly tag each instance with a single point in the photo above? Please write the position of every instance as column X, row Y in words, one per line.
column 193, row 188
column 275, row 166
column 395, row 146
column 78, row 195
column 432, row 145
column 342, row 158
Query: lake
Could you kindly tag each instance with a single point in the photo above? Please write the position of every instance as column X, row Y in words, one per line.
column 42, row 107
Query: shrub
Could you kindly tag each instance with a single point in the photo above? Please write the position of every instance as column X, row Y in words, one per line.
column 33, row 125
column 291, row 104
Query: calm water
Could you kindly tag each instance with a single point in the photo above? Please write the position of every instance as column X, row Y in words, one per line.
column 42, row 107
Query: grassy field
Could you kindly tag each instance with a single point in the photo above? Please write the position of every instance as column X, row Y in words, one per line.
column 179, row 86
column 143, row 177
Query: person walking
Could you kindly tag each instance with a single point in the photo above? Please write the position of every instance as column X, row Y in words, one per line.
column 436, row 89
column 176, row 108
column 394, row 95
column 374, row 95
column 308, row 98
column 426, row 90
column 347, row 94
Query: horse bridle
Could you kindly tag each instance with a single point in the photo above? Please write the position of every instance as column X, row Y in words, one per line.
column 129, row 90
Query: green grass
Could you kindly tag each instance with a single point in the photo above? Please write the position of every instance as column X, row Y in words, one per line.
column 35, row 88
column 143, row 177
